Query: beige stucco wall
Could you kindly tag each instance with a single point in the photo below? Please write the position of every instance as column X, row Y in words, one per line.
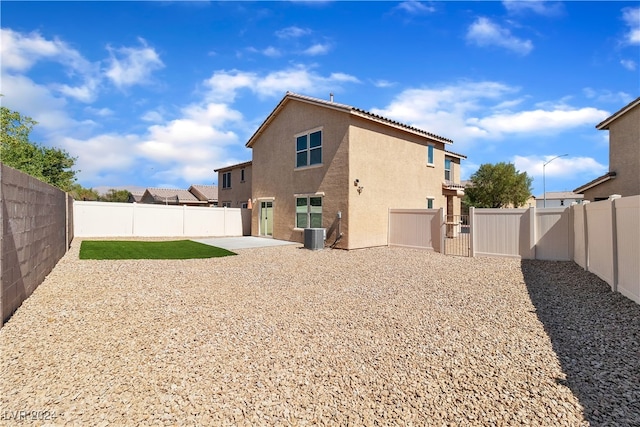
column 624, row 153
column 624, row 158
column 275, row 175
column 240, row 191
column 391, row 166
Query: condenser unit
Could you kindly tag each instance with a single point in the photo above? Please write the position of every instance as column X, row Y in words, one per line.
column 314, row 238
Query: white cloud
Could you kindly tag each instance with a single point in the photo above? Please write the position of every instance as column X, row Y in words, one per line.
column 383, row 83
column 152, row 116
column 130, row 66
column 629, row 64
column 561, row 167
column 631, row 17
column 101, row 112
column 607, row 96
column 317, row 49
column 21, row 51
column 224, row 85
column 483, row 32
column 292, row 32
column 541, row 7
column 414, row 7
column 533, row 121
column 471, row 111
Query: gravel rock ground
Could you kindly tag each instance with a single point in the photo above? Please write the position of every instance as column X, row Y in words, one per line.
column 287, row 336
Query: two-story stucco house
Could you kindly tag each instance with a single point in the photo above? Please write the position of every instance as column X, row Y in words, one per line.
column 322, row 164
column 623, row 177
column 234, row 185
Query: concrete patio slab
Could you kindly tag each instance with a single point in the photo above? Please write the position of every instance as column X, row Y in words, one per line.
column 244, row 242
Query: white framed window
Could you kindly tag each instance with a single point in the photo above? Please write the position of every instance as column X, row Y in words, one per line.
column 226, row 180
column 430, row 155
column 309, row 212
column 245, row 205
column 447, row 170
column 226, row 204
column 430, row 202
column 309, row 148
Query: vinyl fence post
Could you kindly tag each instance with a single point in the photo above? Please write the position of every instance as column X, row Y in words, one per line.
column 532, row 233
column 614, row 238
column 585, row 236
column 472, row 240
column 443, row 226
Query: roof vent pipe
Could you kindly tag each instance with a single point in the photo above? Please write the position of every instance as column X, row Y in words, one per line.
column 331, row 97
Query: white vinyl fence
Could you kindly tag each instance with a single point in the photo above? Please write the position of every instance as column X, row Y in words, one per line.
column 102, row 219
column 602, row 237
column 607, row 242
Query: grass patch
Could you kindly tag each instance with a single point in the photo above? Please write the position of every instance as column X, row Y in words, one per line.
column 126, row 249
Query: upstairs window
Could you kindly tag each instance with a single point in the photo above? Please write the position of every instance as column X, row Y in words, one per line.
column 241, row 175
column 309, row 212
column 309, row 149
column 430, row 154
column 447, row 170
column 226, row 180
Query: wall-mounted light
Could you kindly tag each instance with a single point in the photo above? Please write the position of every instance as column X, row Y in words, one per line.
column 356, row 182
column 360, row 190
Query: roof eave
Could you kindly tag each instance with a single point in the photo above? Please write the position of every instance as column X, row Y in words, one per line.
column 595, row 182
column 604, row 125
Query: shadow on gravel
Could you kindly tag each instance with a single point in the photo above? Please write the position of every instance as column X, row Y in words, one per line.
column 595, row 334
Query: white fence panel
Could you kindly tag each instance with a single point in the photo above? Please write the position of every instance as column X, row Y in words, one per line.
column 600, row 240
column 579, row 240
column 415, row 228
column 553, row 234
column 628, row 238
column 158, row 220
column 503, row 232
column 101, row 219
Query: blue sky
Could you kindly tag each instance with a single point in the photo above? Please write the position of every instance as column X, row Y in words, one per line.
column 159, row 94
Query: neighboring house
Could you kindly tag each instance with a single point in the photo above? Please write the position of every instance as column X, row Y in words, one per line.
column 322, row 164
column 623, row 177
column 135, row 196
column 234, row 183
column 558, row 199
column 170, row 196
column 205, row 193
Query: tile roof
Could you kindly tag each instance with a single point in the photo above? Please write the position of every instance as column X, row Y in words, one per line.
column 345, row 108
column 172, row 195
column 204, row 192
column 560, row 195
column 228, row 168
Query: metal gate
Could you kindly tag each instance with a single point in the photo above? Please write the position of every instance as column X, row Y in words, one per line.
column 457, row 235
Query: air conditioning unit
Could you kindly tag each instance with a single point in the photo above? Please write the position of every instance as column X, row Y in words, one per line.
column 314, row 238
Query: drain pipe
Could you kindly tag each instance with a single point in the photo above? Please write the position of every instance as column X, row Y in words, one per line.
column 338, row 232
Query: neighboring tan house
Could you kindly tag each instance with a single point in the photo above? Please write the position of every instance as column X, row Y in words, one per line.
column 170, row 196
column 558, row 199
column 322, row 164
column 623, row 177
column 206, row 193
column 234, row 184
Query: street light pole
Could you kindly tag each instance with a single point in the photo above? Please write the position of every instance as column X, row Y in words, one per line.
column 544, row 181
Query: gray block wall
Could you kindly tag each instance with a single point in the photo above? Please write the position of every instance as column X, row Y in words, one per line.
column 36, row 229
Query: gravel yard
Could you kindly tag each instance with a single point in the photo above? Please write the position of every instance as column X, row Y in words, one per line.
column 287, row 336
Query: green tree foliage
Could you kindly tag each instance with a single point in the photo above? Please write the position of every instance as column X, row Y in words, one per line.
column 498, row 186
column 51, row 165
column 78, row 192
column 114, row 195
